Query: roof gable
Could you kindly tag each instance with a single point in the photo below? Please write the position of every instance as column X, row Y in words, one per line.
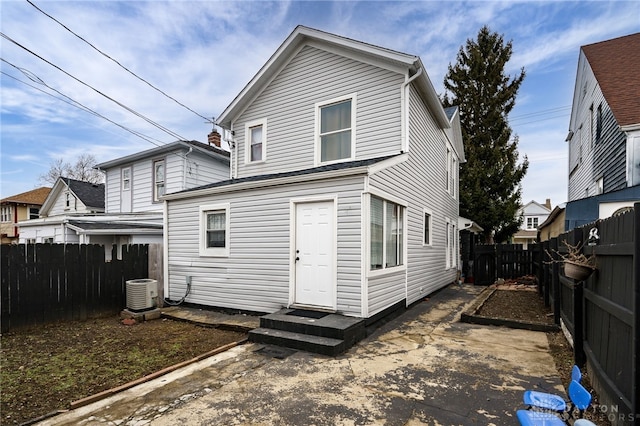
column 615, row 64
column 91, row 195
column 408, row 65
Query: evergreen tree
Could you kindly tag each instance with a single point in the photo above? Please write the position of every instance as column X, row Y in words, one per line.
column 490, row 191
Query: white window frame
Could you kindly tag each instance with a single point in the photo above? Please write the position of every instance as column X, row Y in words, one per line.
column 31, row 212
column 7, row 213
column 532, row 222
column 386, row 199
column 126, row 181
column 427, row 221
column 247, row 140
column 213, row 251
column 450, row 244
column 156, row 198
column 318, row 107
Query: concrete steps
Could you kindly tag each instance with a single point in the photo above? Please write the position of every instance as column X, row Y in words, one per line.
column 311, row 331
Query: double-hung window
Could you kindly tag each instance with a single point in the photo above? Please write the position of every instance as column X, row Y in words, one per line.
column 34, row 213
column 7, row 213
column 214, row 230
column 387, row 235
column 532, row 223
column 336, row 129
column 426, row 228
column 159, row 177
column 126, row 178
column 256, row 141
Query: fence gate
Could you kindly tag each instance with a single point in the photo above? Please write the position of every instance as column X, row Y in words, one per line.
column 484, row 264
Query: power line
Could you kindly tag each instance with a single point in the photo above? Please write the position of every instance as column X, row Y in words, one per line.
column 148, row 120
column 541, row 112
column 208, row 119
column 70, row 100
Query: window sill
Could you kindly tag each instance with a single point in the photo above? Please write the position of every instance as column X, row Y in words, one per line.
column 388, row 271
column 342, row 160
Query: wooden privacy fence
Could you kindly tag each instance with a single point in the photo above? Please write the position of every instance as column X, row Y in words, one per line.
column 508, row 261
column 601, row 313
column 48, row 282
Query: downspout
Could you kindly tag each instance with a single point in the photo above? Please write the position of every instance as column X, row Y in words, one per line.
column 404, row 91
column 405, row 109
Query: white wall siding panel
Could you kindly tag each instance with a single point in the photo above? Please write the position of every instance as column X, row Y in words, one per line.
column 255, row 276
column 421, row 182
column 112, row 190
column 288, row 104
column 202, row 170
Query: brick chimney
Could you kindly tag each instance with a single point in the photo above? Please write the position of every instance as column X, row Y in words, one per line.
column 214, row 138
column 548, row 203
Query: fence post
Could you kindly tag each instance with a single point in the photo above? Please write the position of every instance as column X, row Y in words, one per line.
column 578, row 309
column 635, row 378
column 554, row 279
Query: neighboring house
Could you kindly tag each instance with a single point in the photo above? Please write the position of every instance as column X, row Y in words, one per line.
column 126, row 209
column 68, row 198
column 344, row 188
column 553, row 225
column 533, row 214
column 17, row 208
column 604, row 131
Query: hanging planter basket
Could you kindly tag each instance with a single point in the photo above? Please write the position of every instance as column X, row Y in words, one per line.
column 577, row 271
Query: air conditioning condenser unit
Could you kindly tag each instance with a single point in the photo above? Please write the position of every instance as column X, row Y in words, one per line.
column 141, row 294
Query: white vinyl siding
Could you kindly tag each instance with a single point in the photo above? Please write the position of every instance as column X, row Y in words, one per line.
column 256, row 274
column 419, row 181
column 183, row 170
column 289, row 106
column 60, row 204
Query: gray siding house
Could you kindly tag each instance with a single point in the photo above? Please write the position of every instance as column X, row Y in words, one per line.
column 343, row 194
column 126, row 209
column 604, row 131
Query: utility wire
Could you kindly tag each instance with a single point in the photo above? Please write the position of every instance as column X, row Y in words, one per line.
column 208, row 119
column 148, row 120
column 70, row 101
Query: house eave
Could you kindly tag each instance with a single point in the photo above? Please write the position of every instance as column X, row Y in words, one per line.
column 630, row 127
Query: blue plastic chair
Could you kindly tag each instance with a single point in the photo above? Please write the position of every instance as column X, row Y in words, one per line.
column 550, row 401
column 580, row 397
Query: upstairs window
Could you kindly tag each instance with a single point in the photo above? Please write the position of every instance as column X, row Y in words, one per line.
column 532, row 223
column 158, row 179
column 126, row 179
column 387, row 224
column 599, row 123
column 256, row 141
column 7, row 214
column 34, row 213
column 336, row 133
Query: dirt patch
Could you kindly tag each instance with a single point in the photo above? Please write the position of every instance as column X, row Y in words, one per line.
column 520, row 305
column 523, row 303
column 46, row 368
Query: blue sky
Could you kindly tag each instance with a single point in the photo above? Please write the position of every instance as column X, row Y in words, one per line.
column 203, row 53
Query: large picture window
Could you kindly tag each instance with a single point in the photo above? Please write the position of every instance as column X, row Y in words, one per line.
column 214, row 230
column 336, row 129
column 387, row 234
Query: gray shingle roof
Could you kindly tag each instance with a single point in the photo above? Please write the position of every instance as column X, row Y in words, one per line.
column 319, row 169
column 91, row 194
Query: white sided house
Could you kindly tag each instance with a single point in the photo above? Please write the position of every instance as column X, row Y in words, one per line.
column 344, row 188
column 127, row 209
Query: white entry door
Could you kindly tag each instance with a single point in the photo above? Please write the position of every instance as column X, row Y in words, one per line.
column 315, row 252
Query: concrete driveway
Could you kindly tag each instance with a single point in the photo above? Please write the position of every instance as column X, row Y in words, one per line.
column 424, row 367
